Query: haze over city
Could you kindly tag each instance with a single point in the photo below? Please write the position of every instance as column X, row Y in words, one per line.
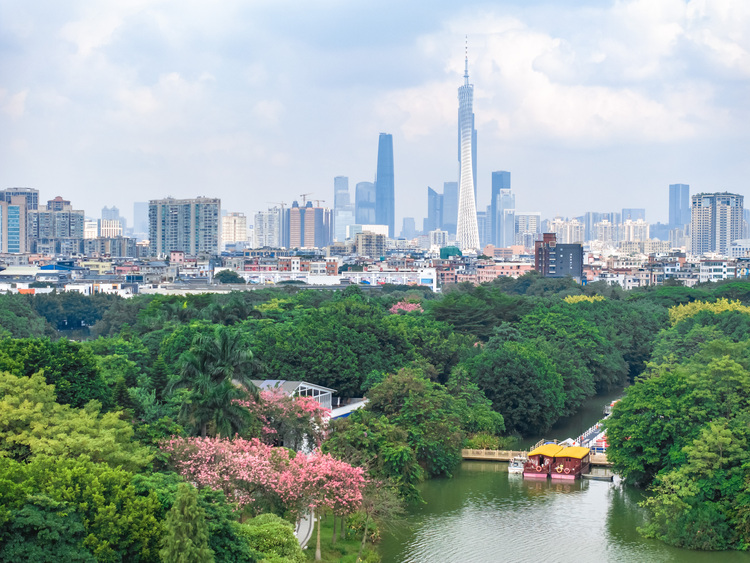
column 591, row 106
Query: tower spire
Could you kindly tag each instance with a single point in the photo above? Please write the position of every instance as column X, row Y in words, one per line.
column 466, row 62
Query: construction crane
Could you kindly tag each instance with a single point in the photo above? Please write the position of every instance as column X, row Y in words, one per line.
column 304, row 197
column 317, row 202
column 281, row 203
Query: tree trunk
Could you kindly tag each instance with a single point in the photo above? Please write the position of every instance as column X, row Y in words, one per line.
column 335, row 530
column 318, row 556
column 204, row 429
column 343, row 528
column 364, row 537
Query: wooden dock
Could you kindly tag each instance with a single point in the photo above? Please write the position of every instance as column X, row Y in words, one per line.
column 597, row 460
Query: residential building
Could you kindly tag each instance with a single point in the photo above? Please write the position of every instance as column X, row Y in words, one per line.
column 717, row 221
column 188, row 225
column 634, row 230
column 309, row 227
column 55, row 229
column 234, row 230
column 109, row 228
column 30, row 195
column 268, row 228
column 527, row 227
column 633, row 214
column 370, row 244
column 558, row 260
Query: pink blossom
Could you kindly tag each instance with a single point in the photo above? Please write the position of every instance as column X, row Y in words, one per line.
column 406, row 307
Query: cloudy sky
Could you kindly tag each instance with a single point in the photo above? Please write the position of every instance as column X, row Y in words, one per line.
column 592, row 105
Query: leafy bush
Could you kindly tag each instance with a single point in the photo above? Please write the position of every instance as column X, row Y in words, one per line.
column 483, row 441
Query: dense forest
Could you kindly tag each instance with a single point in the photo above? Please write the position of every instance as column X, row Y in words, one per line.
column 133, row 431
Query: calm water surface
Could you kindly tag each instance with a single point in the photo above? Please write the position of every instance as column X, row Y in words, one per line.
column 484, row 514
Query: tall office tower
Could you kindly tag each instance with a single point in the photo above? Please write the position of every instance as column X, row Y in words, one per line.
column 467, row 230
column 190, row 225
column 30, row 195
column 13, row 224
column 385, row 197
column 679, row 205
column 140, row 217
column 268, row 228
column 234, row 230
column 589, row 220
column 450, row 207
column 717, row 221
column 364, row 203
column 409, row 228
column 504, row 204
column 309, row 227
column 633, row 214
column 434, row 218
column 482, row 227
column 343, row 209
column 500, row 184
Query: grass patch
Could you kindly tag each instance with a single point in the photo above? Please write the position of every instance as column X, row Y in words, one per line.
column 345, row 550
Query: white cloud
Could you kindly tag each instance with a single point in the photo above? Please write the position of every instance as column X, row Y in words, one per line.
column 13, row 105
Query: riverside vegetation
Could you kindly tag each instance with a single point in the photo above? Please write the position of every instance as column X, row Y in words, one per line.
column 148, row 439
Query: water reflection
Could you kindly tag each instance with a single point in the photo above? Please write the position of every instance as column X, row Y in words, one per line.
column 486, row 514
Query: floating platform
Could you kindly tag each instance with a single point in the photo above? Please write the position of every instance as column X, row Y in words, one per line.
column 596, row 477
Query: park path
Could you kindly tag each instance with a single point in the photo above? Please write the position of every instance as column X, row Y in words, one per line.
column 304, row 529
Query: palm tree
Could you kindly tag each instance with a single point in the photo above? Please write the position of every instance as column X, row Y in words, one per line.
column 215, row 369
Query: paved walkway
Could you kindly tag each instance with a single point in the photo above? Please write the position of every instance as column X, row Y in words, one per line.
column 304, row 529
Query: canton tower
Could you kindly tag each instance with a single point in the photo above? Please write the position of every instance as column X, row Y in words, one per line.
column 467, row 230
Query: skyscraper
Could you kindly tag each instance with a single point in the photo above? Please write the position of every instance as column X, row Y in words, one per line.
column 190, row 225
column 309, row 227
column 343, row 210
column 450, row 207
column 268, row 228
column 364, row 203
column 500, row 183
column 467, row 230
column 679, row 205
column 385, row 199
column 717, row 221
column 13, row 224
column 434, row 211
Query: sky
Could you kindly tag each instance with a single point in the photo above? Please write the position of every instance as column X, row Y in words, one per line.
column 591, row 105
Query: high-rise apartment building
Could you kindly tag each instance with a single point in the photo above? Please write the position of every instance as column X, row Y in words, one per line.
column 450, row 207
column 13, row 224
column 385, row 196
column 528, row 227
column 717, row 221
column 679, row 205
column 30, row 195
column 467, row 229
column 113, row 214
column 634, row 231
column 56, row 228
column 633, row 214
column 108, row 228
column 309, row 227
column 234, row 230
column 364, row 203
column 268, row 228
column 568, row 232
column 188, row 225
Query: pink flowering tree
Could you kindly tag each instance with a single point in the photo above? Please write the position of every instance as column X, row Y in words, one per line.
column 323, row 483
column 405, row 307
column 288, row 421
column 257, row 477
column 247, row 471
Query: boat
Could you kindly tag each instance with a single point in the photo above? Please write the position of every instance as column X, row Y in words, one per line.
column 516, row 464
column 570, row 463
column 540, row 460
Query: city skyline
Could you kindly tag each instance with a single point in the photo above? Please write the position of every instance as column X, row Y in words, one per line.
column 130, row 102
